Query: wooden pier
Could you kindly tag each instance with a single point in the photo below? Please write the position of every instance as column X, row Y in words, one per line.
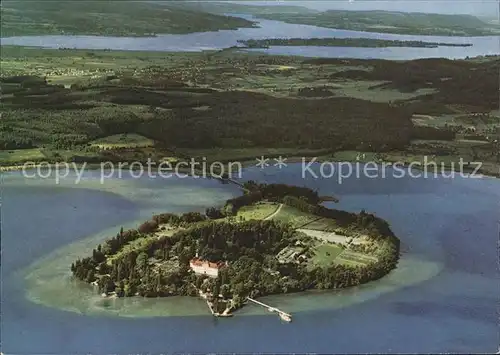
column 227, row 311
column 283, row 315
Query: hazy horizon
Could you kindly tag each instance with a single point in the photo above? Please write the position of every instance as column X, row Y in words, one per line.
column 483, row 8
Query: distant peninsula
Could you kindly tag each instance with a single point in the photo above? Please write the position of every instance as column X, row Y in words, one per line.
column 273, row 239
column 344, row 42
column 411, row 23
column 104, row 18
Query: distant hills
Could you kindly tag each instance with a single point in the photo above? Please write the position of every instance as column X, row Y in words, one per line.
column 414, row 23
column 132, row 18
column 106, row 18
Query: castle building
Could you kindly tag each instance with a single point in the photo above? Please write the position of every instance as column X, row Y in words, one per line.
column 203, row 267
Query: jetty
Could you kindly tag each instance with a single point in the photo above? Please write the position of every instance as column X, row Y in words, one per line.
column 283, row 315
column 204, row 296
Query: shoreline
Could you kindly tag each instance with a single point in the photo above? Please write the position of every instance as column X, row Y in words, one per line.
column 244, row 164
column 344, row 42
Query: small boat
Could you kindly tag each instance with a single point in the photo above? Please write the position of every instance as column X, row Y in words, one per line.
column 286, row 317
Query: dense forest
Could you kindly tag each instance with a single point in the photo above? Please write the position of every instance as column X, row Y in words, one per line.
column 236, row 119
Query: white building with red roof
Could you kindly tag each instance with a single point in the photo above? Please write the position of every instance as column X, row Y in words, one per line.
column 203, row 267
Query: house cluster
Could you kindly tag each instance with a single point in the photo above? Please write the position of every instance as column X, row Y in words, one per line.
column 292, row 254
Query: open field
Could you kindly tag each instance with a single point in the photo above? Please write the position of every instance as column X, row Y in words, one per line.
column 354, row 258
column 372, row 91
column 322, row 224
column 331, row 237
column 292, row 215
column 21, row 155
column 325, row 254
column 122, row 141
column 258, row 211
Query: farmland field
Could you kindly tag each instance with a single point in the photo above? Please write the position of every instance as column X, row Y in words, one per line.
column 122, row 141
column 353, row 258
column 325, row 254
column 322, row 224
column 20, row 155
column 294, row 216
column 258, row 212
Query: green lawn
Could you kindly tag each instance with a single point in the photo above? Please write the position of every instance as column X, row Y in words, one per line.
column 325, row 255
column 122, row 141
column 323, row 224
column 354, row 258
column 20, row 155
column 294, row 216
column 259, row 211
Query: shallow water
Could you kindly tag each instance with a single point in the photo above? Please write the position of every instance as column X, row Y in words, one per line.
column 271, row 29
column 442, row 297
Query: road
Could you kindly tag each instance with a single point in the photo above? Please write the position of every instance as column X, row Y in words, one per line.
column 271, row 216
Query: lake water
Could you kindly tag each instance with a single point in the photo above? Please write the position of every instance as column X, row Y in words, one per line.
column 488, row 45
column 443, row 296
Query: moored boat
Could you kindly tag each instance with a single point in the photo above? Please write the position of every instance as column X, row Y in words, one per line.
column 286, row 317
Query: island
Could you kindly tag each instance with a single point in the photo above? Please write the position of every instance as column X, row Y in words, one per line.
column 273, row 239
column 344, row 42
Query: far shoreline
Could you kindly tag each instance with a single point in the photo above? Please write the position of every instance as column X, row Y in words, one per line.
column 245, row 163
column 344, row 42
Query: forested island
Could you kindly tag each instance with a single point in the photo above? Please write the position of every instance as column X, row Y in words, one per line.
column 273, row 239
column 344, row 42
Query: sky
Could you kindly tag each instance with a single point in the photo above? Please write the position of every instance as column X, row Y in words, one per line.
column 488, row 8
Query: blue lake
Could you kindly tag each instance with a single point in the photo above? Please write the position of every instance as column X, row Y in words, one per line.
column 488, row 45
column 442, row 298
